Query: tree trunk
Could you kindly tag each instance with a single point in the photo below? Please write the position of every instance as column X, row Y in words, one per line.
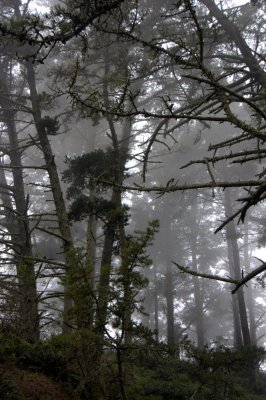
column 20, row 231
column 103, row 295
column 169, row 294
column 248, row 289
column 231, row 237
column 238, row 341
column 116, row 225
column 235, row 35
column 156, row 307
column 197, row 289
column 62, row 216
column 167, row 246
column 197, row 297
column 90, row 265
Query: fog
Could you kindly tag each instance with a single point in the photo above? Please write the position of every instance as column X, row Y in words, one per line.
column 132, row 180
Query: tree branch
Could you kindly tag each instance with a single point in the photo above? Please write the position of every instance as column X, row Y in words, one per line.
column 207, row 276
column 238, row 283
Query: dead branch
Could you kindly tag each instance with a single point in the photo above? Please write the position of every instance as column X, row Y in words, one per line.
column 238, row 283
column 207, row 276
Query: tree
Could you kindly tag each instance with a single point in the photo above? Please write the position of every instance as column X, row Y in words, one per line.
column 15, row 206
column 218, row 96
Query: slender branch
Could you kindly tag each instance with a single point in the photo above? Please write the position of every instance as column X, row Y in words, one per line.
column 176, row 187
column 238, row 283
column 207, row 276
column 213, row 160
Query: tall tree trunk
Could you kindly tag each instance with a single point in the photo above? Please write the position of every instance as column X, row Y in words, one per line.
column 20, row 232
column 169, row 294
column 58, row 197
column 199, row 319
column 146, row 318
column 231, row 237
column 167, row 246
column 156, row 306
column 103, row 295
column 117, row 225
column 197, row 289
column 238, row 340
column 248, row 289
column 90, row 266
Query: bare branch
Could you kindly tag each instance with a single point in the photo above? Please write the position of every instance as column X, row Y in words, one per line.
column 207, row 276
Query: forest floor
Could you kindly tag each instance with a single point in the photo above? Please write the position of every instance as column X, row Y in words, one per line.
column 23, row 384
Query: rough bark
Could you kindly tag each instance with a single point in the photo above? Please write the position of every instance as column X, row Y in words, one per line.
column 156, row 308
column 18, row 225
column 231, row 237
column 249, row 293
column 58, row 197
column 169, row 286
column 169, row 305
column 198, row 300
column 103, row 295
column 90, row 265
column 238, row 341
column 199, row 313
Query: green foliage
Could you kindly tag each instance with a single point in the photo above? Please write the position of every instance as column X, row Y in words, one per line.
column 8, row 388
column 98, row 164
column 22, row 28
column 50, row 125
column 130, row 278
column 83, row 206
column 12, row 347
column 160, row 376
column 150, row 386
column 223, row 373
column 81, row 349
column 209, row 374
column 135, row 252
column 89, row 173
column 80, row 289
column 39, row 356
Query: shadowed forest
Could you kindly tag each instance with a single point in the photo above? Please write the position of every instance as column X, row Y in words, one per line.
column 132, row 188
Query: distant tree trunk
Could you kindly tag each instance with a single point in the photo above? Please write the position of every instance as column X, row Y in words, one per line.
column 146, row 318
column 90, row 265
column 197, row 289
column 199, row 313
column 231, row 237
column 197, row 297
column 248, row 289
column 156, row 307
column 168, row 281
column 252, row 321
column 238, row 341
column 169, row 294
